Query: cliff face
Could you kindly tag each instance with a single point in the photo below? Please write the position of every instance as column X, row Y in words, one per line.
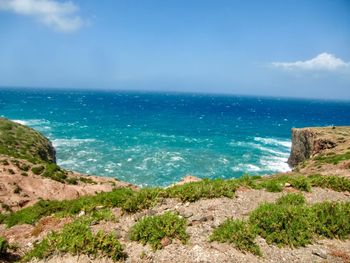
column 319, row 147
column 302, row 146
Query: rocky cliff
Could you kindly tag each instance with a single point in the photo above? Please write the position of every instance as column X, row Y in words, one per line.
column 323, row 150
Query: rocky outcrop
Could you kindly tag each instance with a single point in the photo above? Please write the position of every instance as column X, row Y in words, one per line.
column 22, row 142
column 302, row 145
column 310, row 142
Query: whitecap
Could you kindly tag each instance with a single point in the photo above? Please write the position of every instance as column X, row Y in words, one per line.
column 246, row 168
column 21, row 122
column 70, row 142
column 273, row 141
column 275, row 164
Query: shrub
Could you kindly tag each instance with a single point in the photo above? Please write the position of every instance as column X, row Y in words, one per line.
column 239, row 233
column 283, row 224
column 77, row 238
column 332, row 219
column 301, row 183
column 142, row 199
column 153, row 229
column 291, row 199
column 206, row 188
column 38, row 169
column 337, row 183
column 273, row 186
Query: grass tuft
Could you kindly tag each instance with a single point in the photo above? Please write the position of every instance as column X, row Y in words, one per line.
column 239, row 233
column 77, row 238
column 152, row 229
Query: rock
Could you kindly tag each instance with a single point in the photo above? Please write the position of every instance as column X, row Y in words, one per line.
column 287, row 185
column 201, row 219
column 165, row 241
column 81, row 213
column 302, row 146
column 320, row 252
column 186, row 214
column 188, row 179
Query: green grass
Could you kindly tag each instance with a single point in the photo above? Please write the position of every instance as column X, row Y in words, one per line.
column 152, row 229
column 133, row 201
column 32, row 214
column 283, row 223
column 76, row 238
column 287, row 222
column 336, row 183
column 333, row 219
column 239, row 233
column 203, row 189
column 3, row 246
column 332, row 159
column 38, row 169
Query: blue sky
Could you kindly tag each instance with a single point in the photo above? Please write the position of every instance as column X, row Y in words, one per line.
column 274, row 48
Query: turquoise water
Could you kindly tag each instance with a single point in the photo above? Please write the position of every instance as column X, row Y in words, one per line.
column 157, row 138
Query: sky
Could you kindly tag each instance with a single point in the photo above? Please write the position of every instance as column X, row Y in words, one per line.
column 289, row 48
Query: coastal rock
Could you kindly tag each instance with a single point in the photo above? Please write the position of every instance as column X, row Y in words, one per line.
column 302, row 145
column 188, row 179
column 310, row 142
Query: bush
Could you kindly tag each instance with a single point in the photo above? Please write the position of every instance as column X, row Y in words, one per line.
column 142, row 199
column 283, row 224
column 301, row 183
column 291, row 199
column 38, row 169
column 333, row 219
column 153, row 229
column 206, row 188
column 336, row 183
column 239, row 233
column 77, row 238
column 273, row 186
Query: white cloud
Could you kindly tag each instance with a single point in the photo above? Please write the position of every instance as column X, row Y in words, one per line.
column 61, row 16
column 324, row 61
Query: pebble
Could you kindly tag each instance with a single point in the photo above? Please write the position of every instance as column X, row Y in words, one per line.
column 320, row 252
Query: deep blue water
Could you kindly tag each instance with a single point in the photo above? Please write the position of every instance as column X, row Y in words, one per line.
column 157, row 138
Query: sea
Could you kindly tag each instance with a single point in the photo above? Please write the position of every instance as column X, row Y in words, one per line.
column 156, row 138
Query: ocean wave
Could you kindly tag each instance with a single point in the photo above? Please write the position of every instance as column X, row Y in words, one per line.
column 38, row 124
column 33, row 122
column 275, row 164
column 70, row 142
column 246, row 168
column 273, row 141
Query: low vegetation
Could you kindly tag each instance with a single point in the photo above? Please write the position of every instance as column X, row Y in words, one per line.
column 288, row 222
column 23, row 142
column 3, row 246
column 132, row 201
column 206, row 188
column 239, row 233
column 333, row 158
column 77, row 238
column 153, row 229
